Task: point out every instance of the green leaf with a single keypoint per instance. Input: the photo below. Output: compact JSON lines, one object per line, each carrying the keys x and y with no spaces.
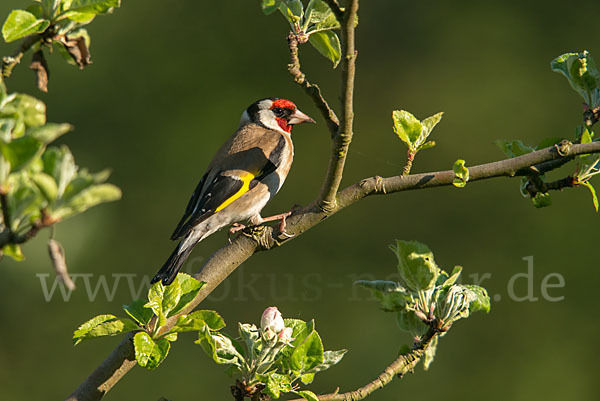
{"x":589,"y":186}
{"x":582,"y":74}
{"x":330,"y":358}
{"x":391,"y":295}
{"x":88,"y":198}
{"x":430,"y":353}
{"x":14,"y":251}
{"x":293,"y":10}
{"x":155,"y":300}
{"x":92,"y":6}
{"x":172,"y":294}
{"x":21,"y":151}
{"x":103,"y":325}
{"x":407,"y":127}
{"x":541,"y":200}
{"x":218,"y":346}
{"x":198,"y":319}
{"x":30,"y":110}
{"x":409,"y":322}
{"x":189,"y":289}
{"x":482,"y":300}
{"x":149,"y":353}
{"x":22,"y":23}
{"x":416,"y":265}
{"x":461,"y":174}
{"x":513,"y":148}
{"x":138,"y":312}
{"x":46,"y":185}
{"x":269,"y":6}
{"x":453,"y":277}
{"x":277,"y":384}
{"x":547,"y":142}
{"x":307,"y":355}
{"x":49,"y":132}
{"x":429,"y":124}
{"x":328,"y":44}
{"x":307,"y":395}
{"x":319,"y":17}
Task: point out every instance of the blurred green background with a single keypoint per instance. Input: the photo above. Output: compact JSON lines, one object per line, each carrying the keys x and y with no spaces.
{"x":168,"y":84}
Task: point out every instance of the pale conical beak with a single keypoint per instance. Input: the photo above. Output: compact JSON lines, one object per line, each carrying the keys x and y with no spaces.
{"x":299,"y":117}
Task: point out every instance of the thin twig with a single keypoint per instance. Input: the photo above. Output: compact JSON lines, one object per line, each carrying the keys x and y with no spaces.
{"x":403,"y":364}
{"x":223,"y":262}
{"x":341,"y":143}
{"x":312,"y":90}
{"x":9,"y":62}
{"x":410,"y":157}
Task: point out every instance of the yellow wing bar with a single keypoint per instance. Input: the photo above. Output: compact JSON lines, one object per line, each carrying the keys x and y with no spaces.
{"x":246,"y":179}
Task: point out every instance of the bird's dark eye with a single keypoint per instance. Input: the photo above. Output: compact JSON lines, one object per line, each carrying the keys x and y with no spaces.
{"x":278,"y":111}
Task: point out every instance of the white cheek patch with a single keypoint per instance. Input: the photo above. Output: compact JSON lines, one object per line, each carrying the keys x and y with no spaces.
{"x":267,"y":119}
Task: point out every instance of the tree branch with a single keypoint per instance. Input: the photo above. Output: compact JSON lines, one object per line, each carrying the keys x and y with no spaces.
{"x":342,"y":140}
{"x":313,"y":91}
{"x":227,"y":259}
{"x":404,"y":364}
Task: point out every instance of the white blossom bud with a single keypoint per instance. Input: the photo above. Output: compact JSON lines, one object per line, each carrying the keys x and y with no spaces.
{"x":272,"y":320}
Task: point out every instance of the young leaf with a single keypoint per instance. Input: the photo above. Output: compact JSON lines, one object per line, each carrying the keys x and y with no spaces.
{"x":14,"y":251}
{"x":103,"y":325}
{"x":31,"y":110}
{"x":46,"y":185}
{"x":409,"y":322}
{"x":407,"y":127}
{"x":149,"y":353}
{"x":20,"y":152}
{"x":22,"y":23}
{"x":330,"y":358}
{"x":430,"y":353}
{"x":138,"y":312}
{"x":481,"y":301}
{"x":172,"y":294}
{"x":92,"y":6}
{"x":513,"y":148}
{"x":416,"y":265}
{"x":189,"y":289}
{"x":461,"y":174}
{"x":391,"y":295}
{"x":589,"y":186}
{"x":307,"y":355}
{"x":269,"y":6}
{"x":582,"y":74}
{"x":307,"y":395}
{"x":88,"y":198}
{"x":198,"y":319}
{"x":218,"y":346}
{"x":49,"y":132}
{"x":541,"y":200}
{"x":277,"y":384}
{"x":328,"y":44}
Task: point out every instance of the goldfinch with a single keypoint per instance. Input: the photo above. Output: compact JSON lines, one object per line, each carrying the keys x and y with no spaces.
{"x":247,"y":171}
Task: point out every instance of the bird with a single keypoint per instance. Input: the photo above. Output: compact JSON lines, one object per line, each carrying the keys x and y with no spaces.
{"x":245,"y":174}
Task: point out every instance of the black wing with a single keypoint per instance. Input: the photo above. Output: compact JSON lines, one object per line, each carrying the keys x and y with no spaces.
{"x":199,"y":208}
{"x":224,"y":189}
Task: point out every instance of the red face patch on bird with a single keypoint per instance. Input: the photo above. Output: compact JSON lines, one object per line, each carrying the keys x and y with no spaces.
{"x":282,"y":109}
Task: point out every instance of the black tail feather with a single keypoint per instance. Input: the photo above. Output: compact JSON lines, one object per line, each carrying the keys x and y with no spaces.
{"x":169,"y":270}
